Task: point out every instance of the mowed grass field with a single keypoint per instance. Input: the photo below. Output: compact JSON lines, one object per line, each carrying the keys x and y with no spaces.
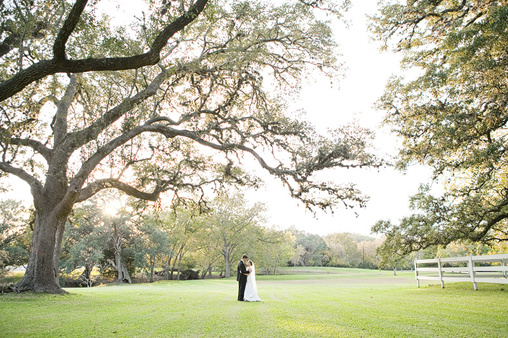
{"x":319,"y":302}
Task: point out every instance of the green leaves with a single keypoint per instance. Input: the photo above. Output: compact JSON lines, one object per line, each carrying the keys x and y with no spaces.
{"x":451,"y":115}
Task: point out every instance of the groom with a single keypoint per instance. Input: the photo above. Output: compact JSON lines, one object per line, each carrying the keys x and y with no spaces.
{"x":241,"y":276}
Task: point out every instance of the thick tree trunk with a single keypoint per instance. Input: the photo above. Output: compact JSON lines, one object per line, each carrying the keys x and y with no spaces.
{"x":173,"y":268}
{"x":86,"y":276}
{"x":58,"y":243}
{"x":179,"y":266}
{"x":166,"y":276}
{"x":207,"y":270}
{"x":276,"y":265}
{"x":42,"y":270}
{"x":123,"y":274}
{"x":170,"y":268}
{"x":228,"y":264}
{"x":152,"y":269}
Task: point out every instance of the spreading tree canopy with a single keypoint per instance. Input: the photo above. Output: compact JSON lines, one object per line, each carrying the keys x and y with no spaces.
{"x":176,"y":102}
{"x":451,"y":112}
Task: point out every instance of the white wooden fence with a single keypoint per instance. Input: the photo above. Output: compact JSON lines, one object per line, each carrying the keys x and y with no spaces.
{"x":475,"y":269}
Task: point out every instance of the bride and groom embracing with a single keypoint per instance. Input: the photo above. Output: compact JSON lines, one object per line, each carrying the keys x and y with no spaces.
{"x":246,"y":277}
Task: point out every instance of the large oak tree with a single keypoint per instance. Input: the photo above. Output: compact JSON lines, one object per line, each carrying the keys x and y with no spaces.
{"x":178,"y":101}
{"x":452,"y":115}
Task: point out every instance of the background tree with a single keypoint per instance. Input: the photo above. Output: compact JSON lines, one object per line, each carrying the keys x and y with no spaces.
{"x":3,"y":264}
{"x":74,"y":123}
{"x":463,"y":249}
{"x":452,"y":116}
{"x":86,"y":238}
{"x":14,"y":233}
{"x":151,"y":245}
{"x":352,"y":250}
{"x":299,"y":252}
{"x":233,"y":225}
{"x":183,"y":226}
{"x":272,"y":249}
{"x":120,"y":245}
{"x":370,"y":258}
{"x":344,"y":249}
{"x":208,"y":253}
{"x":314,"y":245}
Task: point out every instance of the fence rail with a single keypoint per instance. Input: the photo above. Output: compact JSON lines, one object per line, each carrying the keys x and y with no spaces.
{"x":475,"y":269}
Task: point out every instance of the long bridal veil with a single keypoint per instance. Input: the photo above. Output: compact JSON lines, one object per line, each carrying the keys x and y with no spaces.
{"x":253,"y":277}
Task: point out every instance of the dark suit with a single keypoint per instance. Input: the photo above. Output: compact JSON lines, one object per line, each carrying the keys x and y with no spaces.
{"x":241,"y":278}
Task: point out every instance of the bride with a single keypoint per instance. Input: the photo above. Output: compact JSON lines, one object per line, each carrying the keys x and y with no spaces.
{"x":251,"y":289}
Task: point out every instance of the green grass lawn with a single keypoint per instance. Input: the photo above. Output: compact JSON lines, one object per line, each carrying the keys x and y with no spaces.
{"x":308,"y":303}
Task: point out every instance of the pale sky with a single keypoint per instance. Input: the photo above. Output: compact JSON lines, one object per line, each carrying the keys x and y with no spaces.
{"x":368,"y":71}
{"x":389,"y":190}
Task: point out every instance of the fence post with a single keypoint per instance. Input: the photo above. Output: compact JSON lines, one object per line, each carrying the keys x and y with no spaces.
{"x":503,"y":264}
{"x":472,"y":272}
{"x":439,"y":266}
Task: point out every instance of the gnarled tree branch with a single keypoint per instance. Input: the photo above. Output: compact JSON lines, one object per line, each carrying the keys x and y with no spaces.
{"x":93,"y":188}
{"x":60,"y":64}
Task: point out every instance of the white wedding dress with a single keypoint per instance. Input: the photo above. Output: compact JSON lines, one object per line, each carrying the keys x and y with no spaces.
{"x":251,"y":289}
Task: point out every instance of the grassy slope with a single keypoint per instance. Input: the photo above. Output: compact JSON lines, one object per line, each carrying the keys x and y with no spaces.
{"x":315,"y":302}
